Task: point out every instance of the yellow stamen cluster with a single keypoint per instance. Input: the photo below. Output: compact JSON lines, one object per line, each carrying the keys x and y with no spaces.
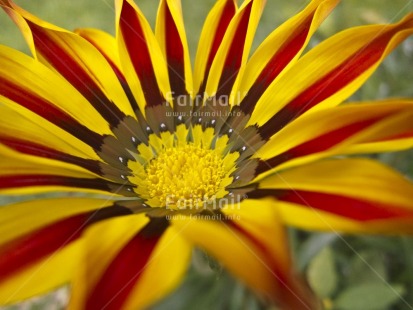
{"x":181,"y":177}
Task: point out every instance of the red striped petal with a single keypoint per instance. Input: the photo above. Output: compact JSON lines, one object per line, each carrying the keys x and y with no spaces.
{"x":234,"y":57}
{"x":138,"y":51}
{"x":224,"y":20}
{"x":336,"y":79}
{"x":29,"y":249}
{"x":122,"y":274}
{"x":28,"y":180}
{"x":33,"y":148}
{"x":318,"y":144}
{"x":174,"y":54}
{"x":90,"y":34}
{"x":252,"y":244}
{"x":357,"y":209}
{"x":292,"y":293}
{"x":50,"y":112}
{"x":69,"y":67}
{"x":276,"y":64}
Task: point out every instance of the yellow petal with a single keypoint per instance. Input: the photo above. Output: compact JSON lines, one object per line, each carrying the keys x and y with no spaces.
{"x":104,"y":42}
{"x":170,"y":32}
{"x":234,"y":49}
{"x":359,"y":189}
{"x":140,"y":55}
{"x":169,"y":262}
{"x":32,"y":127}
{"x":107,"y":45}
{"x":77,"y":60}
{"x":105,"y":244}
{"x":15,"y":163}
{"x":211,"y":37}
{"x":329,"y":73}
{"x":253,"y":237}
{"x":102,"y":242}
{"x":353,"y":128}
{"x":44,"y":252}
{"x":306,"y":218}
{"x":280,"y":50}
{"x":45,"y":276}
{"x":27,"y":174}
{"x":31,"y":215}
{"x":23,"y":78}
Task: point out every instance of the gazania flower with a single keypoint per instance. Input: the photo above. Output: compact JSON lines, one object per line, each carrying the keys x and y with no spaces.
{"x":220,"y":157}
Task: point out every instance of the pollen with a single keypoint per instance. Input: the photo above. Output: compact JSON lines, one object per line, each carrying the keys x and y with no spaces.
{"x":184,"y":177}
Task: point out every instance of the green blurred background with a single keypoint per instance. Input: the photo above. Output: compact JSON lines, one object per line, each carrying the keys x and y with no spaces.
{"x":347,"y":272}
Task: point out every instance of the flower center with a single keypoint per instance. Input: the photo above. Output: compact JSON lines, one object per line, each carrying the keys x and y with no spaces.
{"x":184,"y":177}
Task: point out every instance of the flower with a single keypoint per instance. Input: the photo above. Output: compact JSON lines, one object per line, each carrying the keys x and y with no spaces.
{"x":222,"y":158}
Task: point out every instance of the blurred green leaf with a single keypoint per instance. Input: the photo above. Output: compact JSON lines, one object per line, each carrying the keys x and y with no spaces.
{"x":369,"y":296}
{"x":367,"y":266}
{"x":312,"y":246}
{"x":322,"y":274}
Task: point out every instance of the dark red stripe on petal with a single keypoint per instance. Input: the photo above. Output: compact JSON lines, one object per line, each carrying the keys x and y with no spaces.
{"x":75,"y":74}
{"x":254,"y":240}
{"x":276,"y":64}
{"x":119,"y":75}
{"x":279,"y":275}
{"x":290,"y":292}
{"x":225,"y":18}
{"x":32,"y":148}
{"x":355,"y":208}
{"x":26,"y":180}
{"x":28,"y":249}
{"x":109,"y":170}
{"x":330,"y":139}
{"x":174,"y":55}
{"x":342,"y":75}
{"x":49,"y":111}
{"x":405,"y":135}
{"x":318,"y":144}
{"x":124,"y":271}
{"x":138,"y":50}
{"x":115,"y":68}
{"x":234,"y":56}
